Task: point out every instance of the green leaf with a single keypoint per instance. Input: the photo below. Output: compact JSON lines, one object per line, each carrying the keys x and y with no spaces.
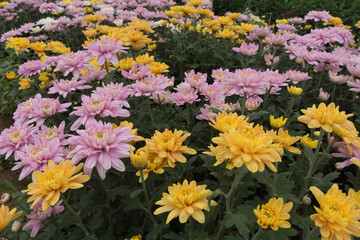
{"x":136,"y":192}
{"x":9,"y":187}
{"x":241,"y":219}
{"x":156,"y":231}
{"x":308,"y":153}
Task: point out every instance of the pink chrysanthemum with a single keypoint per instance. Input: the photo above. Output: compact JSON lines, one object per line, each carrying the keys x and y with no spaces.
{"x":247,"y":49}
{"x":261,"y":32}
{"x":355,"y":85}
{"x":73,"y":62}
{"x":116,"y":91}
{"x":297,"y":76}
{"x":101,"y":105}
{"x":48,"y":134}
{"x":212,"y":91}
{"x":185,"y":94}
{"x":37,"y":216}
{"x":23,"y":110}
{"x":137,"y":72}
{"x":36,"y":156}
{"x":64,"y":87}
{"x":30,"y":68}
{"x":102,"y":146}
{"x":93,"y":74}
{"x":195,"y":80}
{"x":275,"y":80}
{"x":219,"y":74}
{"x":105,"y":48}
{"x":150,"y":85}
{"x":343,"y":152}
{"x":14,"y":139}
{"x":318,"y":16}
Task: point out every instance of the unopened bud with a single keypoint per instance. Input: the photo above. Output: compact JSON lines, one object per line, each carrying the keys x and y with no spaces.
{"x":139,"y":159}
{"x":299,"y":60}
{"x":306,"y":200}
{"x":16,"y":226}
{"x":323,"y":96}
{"x":251,"y":105}
{"x":5,"y":198}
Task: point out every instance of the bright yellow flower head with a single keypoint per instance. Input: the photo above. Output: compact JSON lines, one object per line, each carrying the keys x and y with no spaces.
{"x":138,"y":237}
{"x":11,"y":75}
{"x":144,"y":59}
{"x":357,"y":24}
{"x":90,"y":33}
{"x":355,"y":196}
{"x":24,"y":83}
{"x":285,"y":140}
{"x":294,"y":91}
{"x":125,"y":64}
{"x":168,"y":146}
{"x":152,"y":166}
{"x":141,"y":25}
{"x":54,"y":180}
{"x":326,"y":117}
{"x":158,"y":68}
{"x":38,"y":47}
{"x":19,"y":44}
{"x":194,"y":3}
{"x":277,"y":122}
{"x":226,"y":34}
{"x":92,"y":18}
{"x":226,"y":121}
{"x":337,"y":215}
{"x":7,"y":216}
{"x":307,"y":141}
{"x":251,"y":146}
{"x":3,"y":4}
{"x":139,"y":159}
{"x":274,"y":214}
{"x":185,"y":200}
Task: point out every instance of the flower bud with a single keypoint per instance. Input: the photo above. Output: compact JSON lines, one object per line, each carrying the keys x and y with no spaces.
{"x":251,"y":105}
{"x":294,"y":91}
{"x":16,"y":226}
{"x":277,"y":122}
{"x":323,"y":96}
{"x":306,"y":200}
{"x":5,"y":197}
{"x":299,"y":60}
{"x":140,"y":159}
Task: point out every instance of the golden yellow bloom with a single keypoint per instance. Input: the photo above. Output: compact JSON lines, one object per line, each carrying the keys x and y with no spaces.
{"x":307,"y":141}
{"x":226,"y":34}
{"x":19,"y":44}
{"x":326,"y":117}
{"x":90,"y":33}
{"x":245,"y":28}
{"x":168,"y":146}
{"x":355,"y":196}
{"x":277,"y":122}
{"x":140,"y":159}
{"x":281,"y":21}
{"x":205,"y":12}
{"x":11,"y":75}
{"x":194,"y":3}
{"x":185,"y":200}
{"x":152,"y":166}
{"x":337,"y":215}
{"x":125,"y":64}
{"x":234,"y":15}
{"x":144,"y":59}
{"x":285,"y":140}
{"x":158,"y":68}
{"x":174,"y":20}
{"x":151,"y":47}
{"x":251,"y":146}
{"x":57,"y":47}
{"x":138,"y":237}
{"x":133,"y":130}
{"x":53,"y":181}
{"x":3,"y":4}
{"x":336,"y":21}
{"x":307,"y":27}
{"x":24,"y":83}
{"x":92,"y":18}
{"x":274,"y":214}
{"x":39,"y":48}
{"x":7,"y":216}
{"x":294,"y":91}
{"x":357,"y":24}
{"x":226,"y":121}
{"x":141,"y":25}
{"x":88,"y":9}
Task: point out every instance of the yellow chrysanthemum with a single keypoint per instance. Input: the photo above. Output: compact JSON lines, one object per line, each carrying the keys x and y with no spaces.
{"x":250,"y":146}
{"x":168,"y":146}
{"x":337,"y":215}
{"x":39,"y":48}
{"x":11,"y":75}
{"x":125,"y":64}
{"x":54,"y":180}
{"x":145,"y":59}
{"x":285,"y":140}
{"x":152,"y":166}
{"x":133,"y":131}
{"x":185,"y":200}
{"x":141,"y":25}
{"x":139,"y":159}
{"x":24,"y":83}
{"x":7,"y":216}
{"x":158,"y":68}
{"x":294,"y":91}
{"x":138,"y":237}
{"x":307,"y":141}
{"x":277,"y":122}
{"x":326,"y":117}
{"x":19,"y":44}
{"x":355,"y":196}
{"x":226,"y":121}
{"x":91,"y":18}
{"x":274,"y":214}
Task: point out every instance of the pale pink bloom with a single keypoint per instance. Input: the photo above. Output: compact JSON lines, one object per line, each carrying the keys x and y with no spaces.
{"x":296,"y":20}
{"x":354,"y":69}
{"x":270,"y":60}
{"x":275,"y":80}
{"x":101,"y":105}
{"x":253,"y":103}
{"x":93,"y":74}
{"x":36,"y":156}
{"x":117,"y":92}
{"x":137,"y":72}
{"x":210,"y":91}
{"x":277,"y":39}
{"x":195,"y":80}
{"x":30,"y":68}
{"x":162,"y":98}
{"x":105,"y":48}
{"x":355,"y":85}
{"x":9,"y":34}
{"x":261,"y":32}
{"x":14,"y":139}
{"x":339,"y":79}
{"x":323,"y":96}
{"x":102,"y":146}
{"x":286,"y":27}
{"x":64,"y":87}
{"x":74,"y":63}
{"x":48,"y":134}
{"x":247,"y":49}
{"x":344,"y":35}
{"x":150,"y":85}
{"x":219,"y":103}
{"x":297,"y":76}
{"x":44,"y":108}
{"x":51,"y":61}
{"x":219,"y":74}
{"x":295,"y":50}
{"x":311,"y":57}
{"x":318,"y":16}
{"x":325,"y":35}
{"x":37,"y":216}
{"x":23,"y":110}
{"x":307,"y":40}
{"x":343,"y":152}
{"x":206,"y":114}
{"x":185,"y":94}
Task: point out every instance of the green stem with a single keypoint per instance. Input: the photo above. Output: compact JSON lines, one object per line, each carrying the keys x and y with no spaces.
{"x":76,"y":215}
{"x":257,"y":233}
{"x":191,"y":228}
{"x":188,"y":119}
{"x":147,"y":197}
{"x":243,"y":104}
{"x":150,"y":112}
{"x":53,"y":220}
{"x":290,"y":107}
{"x":311,"y":234}
{"x":107,"y":68}
{"x":275,"y":180}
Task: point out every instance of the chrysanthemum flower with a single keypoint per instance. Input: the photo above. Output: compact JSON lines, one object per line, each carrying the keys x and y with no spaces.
{"x":337,"y":215}
{"x":277,"y":122}
{"x":168,"y":146}
{"x":185,"y":200}
{"x":274,"y":214}
{"x":73,"y":62}
{"x":250,"y":146}
{"x":326,"y":117}
{"x":307,"y":141}
{"x":152,"y":166}
{"x":54,"y":180}
{"x":294,"y":91}
{"x":102,"y":146}
{"x":226,"y":121}
{"x":64,"y":87}
{"x":30,"y":68}
{"x":7,"y":216}
{"x":285,"y":140}
{"x":133,"y":130}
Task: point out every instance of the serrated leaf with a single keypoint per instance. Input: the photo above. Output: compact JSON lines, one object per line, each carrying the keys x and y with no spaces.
{"x":136,"y":192}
